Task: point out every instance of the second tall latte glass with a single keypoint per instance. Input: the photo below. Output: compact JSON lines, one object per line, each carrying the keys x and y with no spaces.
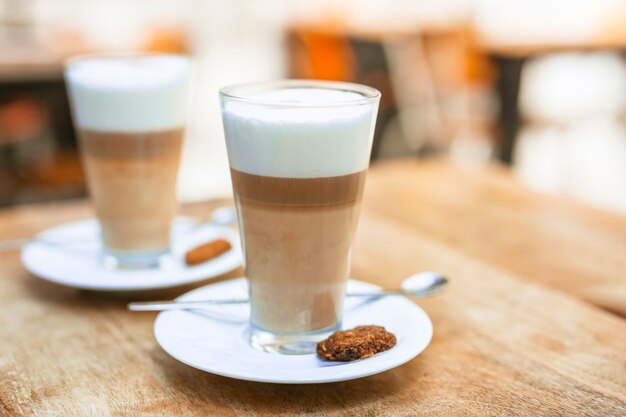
{"x":298,"y":153}
{"x":130,"y":114}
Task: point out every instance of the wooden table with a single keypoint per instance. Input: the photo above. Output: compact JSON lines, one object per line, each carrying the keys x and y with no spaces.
{"x":530,"y":326}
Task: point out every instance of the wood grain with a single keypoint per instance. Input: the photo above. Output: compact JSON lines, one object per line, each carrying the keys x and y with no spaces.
{"x":509,"y":338}
{"x":488,"y":216}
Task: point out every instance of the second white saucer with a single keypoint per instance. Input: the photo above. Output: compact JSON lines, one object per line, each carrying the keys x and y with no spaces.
{"x":70,"y":254}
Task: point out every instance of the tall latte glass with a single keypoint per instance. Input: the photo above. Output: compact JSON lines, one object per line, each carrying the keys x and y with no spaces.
{"x":130,"y":112}
{"x":298,"y":153}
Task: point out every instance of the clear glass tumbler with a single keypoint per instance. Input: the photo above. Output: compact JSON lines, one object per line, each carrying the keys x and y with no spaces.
{"x":299,"y":153}
{"x":130,"y":113}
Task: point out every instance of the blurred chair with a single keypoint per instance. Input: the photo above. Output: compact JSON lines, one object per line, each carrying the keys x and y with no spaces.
{"x":327,"y":54}
{"x":427,"y":78}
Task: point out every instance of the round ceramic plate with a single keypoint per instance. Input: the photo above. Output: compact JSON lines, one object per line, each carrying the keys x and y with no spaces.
{"x":216,"y":340}
{"x":70,"y":255}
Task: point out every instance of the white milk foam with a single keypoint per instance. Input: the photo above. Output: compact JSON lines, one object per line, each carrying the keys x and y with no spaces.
{"x":134,"y":94}
{"x":299,"y":142}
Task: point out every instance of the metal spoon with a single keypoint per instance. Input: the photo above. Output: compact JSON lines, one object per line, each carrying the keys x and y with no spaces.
{"x":223,"y":216}
{"x":423,"y":284}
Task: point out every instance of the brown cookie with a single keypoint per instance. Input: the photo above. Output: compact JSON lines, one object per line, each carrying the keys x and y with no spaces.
{"x":206,"y":252}
{"x":358,"y":343}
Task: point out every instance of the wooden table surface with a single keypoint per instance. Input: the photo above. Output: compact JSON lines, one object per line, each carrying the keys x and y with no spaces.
{"x":532,"y":324}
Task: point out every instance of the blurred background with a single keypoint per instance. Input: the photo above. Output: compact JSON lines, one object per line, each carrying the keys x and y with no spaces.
{"x":536,"y":85}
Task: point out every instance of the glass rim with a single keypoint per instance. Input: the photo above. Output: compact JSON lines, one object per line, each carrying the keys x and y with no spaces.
{"x":76,"y":59}
{"x":235,"y":93}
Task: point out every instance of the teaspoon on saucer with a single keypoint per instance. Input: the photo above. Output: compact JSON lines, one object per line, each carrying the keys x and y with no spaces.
{"x":423,"y":284}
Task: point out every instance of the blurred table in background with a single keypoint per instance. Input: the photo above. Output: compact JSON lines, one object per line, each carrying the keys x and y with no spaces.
{"x":510,"y":58}
{"x":533,"y":323}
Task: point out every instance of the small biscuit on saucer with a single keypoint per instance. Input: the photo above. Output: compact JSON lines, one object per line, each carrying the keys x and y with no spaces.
{"x":358,"y":343}
{"x":206,"y":252}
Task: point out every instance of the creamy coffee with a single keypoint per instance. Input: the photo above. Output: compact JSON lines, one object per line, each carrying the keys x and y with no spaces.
{"x":130,"y":112}
{"x":132,"y":179}
{"x":298,"y":234}
{"x":298,"y":174}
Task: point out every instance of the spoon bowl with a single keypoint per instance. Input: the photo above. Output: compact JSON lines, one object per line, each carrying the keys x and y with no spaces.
{"x":424,"y":282}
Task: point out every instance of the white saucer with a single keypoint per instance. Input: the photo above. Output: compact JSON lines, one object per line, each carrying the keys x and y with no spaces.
{"x":215,"y":340}
{"x":70,"y":255}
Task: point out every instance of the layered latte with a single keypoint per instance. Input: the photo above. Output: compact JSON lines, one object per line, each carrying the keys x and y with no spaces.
{"x":130,"y":113}
{"x":298,"y":175}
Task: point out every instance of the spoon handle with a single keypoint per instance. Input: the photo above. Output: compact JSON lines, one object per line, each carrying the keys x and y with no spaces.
{"x":384,"y":293}
{"x":181,"y":305}
{"x":200,"y":304}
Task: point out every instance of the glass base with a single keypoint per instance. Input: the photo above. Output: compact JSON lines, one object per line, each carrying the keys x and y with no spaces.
{"x":290,"y":343}
{"x":142,"y":260}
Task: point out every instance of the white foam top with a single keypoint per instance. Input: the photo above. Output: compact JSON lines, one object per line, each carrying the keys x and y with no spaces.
{"x":129,"y":94}
{"x":299,"y":141}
